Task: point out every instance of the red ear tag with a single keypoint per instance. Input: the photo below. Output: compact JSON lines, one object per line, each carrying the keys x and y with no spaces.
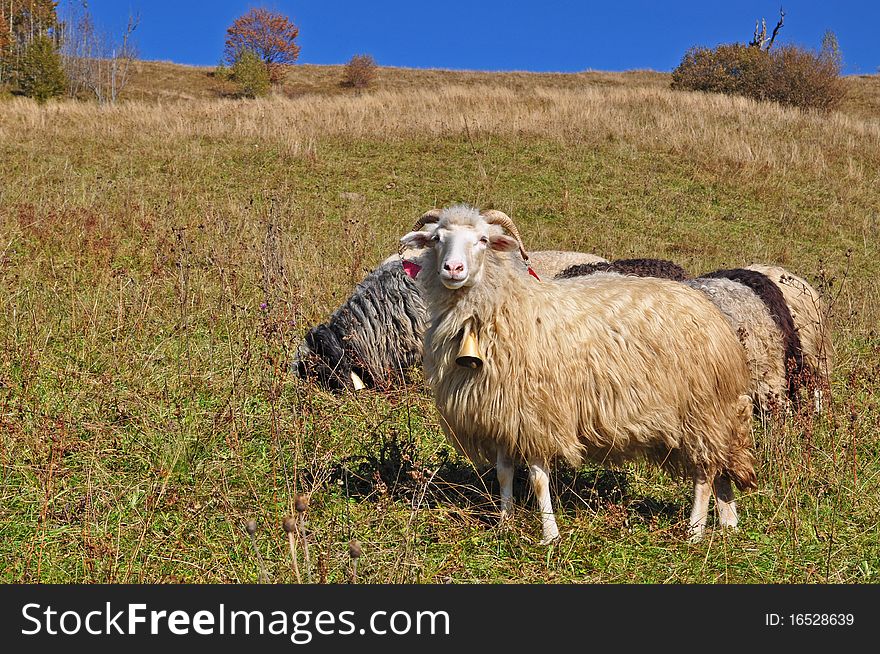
{"x":411,"y":268}
{"x":534,"y":274}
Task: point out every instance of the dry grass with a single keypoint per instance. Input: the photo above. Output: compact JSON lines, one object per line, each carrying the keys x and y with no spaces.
{"x":163,"y":81}
{"x":154,"y":81}
{"x":767,"y":147}
{"x":160,"y":260}
{"x":863,"y":96}
{"x":766,"y":138}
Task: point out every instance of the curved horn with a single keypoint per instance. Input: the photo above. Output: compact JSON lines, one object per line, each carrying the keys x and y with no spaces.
{"x":495,"y":217}
{"x":431,"y":216}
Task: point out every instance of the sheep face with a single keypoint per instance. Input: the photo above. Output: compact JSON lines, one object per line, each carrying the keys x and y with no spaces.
{"x":456,"y":252}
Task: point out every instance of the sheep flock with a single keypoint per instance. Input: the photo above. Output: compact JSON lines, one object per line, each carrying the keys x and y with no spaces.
{"x":573,"y":358}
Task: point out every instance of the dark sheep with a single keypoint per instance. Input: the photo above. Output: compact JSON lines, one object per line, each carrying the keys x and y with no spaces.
{"x":636,"y":267}
{"x":386,"y":299}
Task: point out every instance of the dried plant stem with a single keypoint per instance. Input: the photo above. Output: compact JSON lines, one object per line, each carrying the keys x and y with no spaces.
{"x":289,"y":525}
{"x":354,"y":553}
{"x":264,"y":576}
{"x":292,"y":542}
{"x":302,"y":531}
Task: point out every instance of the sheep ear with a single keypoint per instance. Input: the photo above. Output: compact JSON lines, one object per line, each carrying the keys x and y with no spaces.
{"x":503,"y":243}
{"x":416,"y":240}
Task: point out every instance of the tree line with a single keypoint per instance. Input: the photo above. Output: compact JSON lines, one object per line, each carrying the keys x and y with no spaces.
{"x":45,"y":53}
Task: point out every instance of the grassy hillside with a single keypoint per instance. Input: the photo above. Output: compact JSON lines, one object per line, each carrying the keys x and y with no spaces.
{"x":160,"y":261}
{"x":163,"y":82}
{"x":156,"y":80}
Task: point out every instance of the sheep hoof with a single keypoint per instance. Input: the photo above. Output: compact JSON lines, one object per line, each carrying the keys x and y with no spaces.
{"x":549,"y":540}
{"x":696,"y":536}
{"x":504,"y":518}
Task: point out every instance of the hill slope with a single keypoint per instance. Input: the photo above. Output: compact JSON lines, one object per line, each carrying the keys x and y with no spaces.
{"x":156,"y":80}
{"x":161,"y":259}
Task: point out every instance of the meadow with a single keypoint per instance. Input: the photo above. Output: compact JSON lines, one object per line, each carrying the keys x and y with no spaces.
{"x":161,"y":260}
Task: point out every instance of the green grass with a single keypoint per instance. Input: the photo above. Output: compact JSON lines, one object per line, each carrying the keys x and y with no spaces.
{"x":146,"y":413}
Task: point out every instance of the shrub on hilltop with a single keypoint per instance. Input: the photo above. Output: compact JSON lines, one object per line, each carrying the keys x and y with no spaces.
{"x":269,"y":35}
{"x":789,"y":75}
{"x":360,"y":72}
{"x":251,"y":75}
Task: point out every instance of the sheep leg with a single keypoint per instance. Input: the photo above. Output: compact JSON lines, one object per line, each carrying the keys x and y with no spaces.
{"x":724,"y":500}
{"x":700,"y":510}
{"x":504,"y":470}
{"x":540,"y":479}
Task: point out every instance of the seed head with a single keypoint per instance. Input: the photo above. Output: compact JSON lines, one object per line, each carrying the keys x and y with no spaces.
{"x":289,"y":524}
{"x":251,"y":527}
{"x":301,"y":503}
{"x":354,"y":549}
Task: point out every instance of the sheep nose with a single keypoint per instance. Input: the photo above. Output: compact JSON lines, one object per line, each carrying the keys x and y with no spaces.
{"x":454,"y":266}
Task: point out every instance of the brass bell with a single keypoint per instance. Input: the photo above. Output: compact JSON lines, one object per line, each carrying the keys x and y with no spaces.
{"x":469,"y":352}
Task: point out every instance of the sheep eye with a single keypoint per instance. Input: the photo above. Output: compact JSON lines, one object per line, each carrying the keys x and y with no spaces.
{"x":435,"y":237}
{"x":484,"y":240}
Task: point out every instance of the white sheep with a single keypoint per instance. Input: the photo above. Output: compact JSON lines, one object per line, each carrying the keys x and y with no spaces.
{"x":603,"y":367}
{"x":547,"y":263}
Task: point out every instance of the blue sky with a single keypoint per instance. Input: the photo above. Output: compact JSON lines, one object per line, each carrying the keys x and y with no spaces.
{"x":547,"y":35}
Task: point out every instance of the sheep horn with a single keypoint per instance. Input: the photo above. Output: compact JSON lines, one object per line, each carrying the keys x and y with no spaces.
{"x":431,"y":216}
{"x":356,"y":381}
{"x":495,"y":217}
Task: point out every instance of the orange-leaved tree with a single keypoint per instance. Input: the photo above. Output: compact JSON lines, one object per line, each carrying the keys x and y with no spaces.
{"x":22,"y":21}
{"x":5,"y":39}
{"x":27,"y":19}
{"x":268,"y":34}
{"x":5,"y":42}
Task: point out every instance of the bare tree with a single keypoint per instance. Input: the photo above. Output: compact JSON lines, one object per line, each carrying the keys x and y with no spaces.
{"x":78,"y":45}
{"x":760,"y":40}
{"x":96,"y":62}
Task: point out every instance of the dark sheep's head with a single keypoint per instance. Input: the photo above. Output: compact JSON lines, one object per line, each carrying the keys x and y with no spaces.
{"x":322,"y":357}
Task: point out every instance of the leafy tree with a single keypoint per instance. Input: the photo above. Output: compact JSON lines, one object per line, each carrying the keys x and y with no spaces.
{"x":5,"y":39}
{"x":269,"y":35}
{"x":5,"y":42}
{"x":251,"y":74}
{"x":28,"y":19}
{"x":222,"y":71}
{"x":40,"y":75}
